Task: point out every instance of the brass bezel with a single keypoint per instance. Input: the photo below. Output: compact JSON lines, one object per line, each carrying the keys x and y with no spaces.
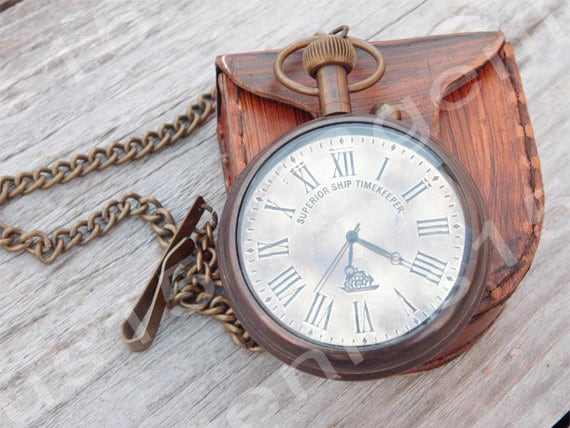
{"x":352,"y":363}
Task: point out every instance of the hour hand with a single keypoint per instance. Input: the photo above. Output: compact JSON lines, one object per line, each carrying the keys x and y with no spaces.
{"x":394,"y":257}
{"x":374,"y":247}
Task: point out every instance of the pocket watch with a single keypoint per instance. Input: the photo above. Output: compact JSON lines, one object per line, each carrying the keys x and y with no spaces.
{"x":347,"y":246}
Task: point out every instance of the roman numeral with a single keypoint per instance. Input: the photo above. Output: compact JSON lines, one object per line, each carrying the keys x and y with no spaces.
{"x":276,"y":248}
{"x":433,"y":226}
{"x":270,"y":205}
{"x":319,"y":313}
{"x":362,"y":319}
{"x":304,"y":175}
{"x":343,"y":163}
{"x":415,"y":191}
{"x":429,"y":267}
{"x":409,"y":309}
{"x":287,"y":285}
{"x":382,"y":168}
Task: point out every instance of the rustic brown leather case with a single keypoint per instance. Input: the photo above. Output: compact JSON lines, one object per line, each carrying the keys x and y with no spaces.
{"x":463,"y":89}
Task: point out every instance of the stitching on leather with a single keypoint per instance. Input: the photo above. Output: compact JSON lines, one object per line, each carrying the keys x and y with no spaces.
{"x":242,"y":144}
{"x":534,"y":237}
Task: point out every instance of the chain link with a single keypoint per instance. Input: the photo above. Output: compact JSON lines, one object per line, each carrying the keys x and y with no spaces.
{"x":198,"y":286}
{"x":188,"y":292}
{"x":47,"y":248}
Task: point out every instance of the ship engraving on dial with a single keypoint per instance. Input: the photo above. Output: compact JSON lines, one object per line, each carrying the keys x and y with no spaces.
{"x":352,"y":237}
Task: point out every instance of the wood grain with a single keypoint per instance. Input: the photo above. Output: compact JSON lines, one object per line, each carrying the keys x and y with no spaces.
{"x":78,"y":74}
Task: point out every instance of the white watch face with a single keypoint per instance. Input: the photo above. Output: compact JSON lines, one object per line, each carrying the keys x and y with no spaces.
{"x":353,"y":235}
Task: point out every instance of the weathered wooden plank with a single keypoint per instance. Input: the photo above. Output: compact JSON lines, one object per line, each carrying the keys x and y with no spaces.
{"x":75,"y":74}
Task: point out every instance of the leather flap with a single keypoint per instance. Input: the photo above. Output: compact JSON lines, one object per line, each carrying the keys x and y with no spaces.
{"x":439,"y":64}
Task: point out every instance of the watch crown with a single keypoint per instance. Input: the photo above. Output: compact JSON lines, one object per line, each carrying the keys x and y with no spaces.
{"x":329,"y":49}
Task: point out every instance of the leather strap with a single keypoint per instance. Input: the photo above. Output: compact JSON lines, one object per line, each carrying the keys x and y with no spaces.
{"x":141,"y":327}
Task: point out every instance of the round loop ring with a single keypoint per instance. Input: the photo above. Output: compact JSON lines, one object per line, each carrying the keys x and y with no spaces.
{"x":312,"y":91}
{"x":341,"y":30}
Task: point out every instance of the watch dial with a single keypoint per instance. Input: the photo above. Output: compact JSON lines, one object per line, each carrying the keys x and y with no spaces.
{"x":353,"y":234}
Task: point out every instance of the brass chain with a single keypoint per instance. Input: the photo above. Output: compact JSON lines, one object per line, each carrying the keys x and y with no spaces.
{"x":198,"y":286}
{"x":48,"y":247}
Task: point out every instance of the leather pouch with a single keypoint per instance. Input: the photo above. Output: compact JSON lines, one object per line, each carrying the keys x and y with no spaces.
{"x":463,"y":89}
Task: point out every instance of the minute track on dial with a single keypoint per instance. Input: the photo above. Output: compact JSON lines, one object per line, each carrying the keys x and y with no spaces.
{"x":340,"y":239}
